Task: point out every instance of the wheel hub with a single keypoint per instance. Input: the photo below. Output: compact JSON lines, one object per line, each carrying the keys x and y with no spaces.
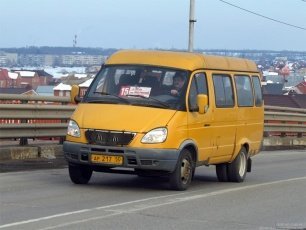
{"x":185,"y":171}
{"x":243,"y":163}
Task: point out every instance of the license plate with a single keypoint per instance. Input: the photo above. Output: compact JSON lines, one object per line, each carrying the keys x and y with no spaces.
{"x":106,"y":159}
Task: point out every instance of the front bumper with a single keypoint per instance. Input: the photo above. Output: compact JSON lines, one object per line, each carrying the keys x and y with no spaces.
{"x":137,"y":158}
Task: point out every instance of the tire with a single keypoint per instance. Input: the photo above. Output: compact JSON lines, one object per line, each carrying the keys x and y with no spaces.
{"x":79,"y":174}
{"x":238,"y":168}
{"x":221,"y":171}
{"x":182,"y":175}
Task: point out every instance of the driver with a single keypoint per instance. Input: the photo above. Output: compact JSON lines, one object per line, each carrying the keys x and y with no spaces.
{"x":178,"y":82}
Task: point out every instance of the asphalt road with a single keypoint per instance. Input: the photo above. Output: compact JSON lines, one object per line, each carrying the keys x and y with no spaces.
{"x":272,"y":197}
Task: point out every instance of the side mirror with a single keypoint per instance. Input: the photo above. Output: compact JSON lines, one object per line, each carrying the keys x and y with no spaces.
{"x":202,"y":101}
{"x":74,"y":94}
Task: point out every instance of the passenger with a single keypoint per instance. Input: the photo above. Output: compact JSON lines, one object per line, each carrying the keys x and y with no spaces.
{"x":178,"y":83}
{"x":244,"y":93}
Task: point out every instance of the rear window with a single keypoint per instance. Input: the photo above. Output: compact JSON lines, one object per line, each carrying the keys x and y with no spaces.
{"x":257,"y":91}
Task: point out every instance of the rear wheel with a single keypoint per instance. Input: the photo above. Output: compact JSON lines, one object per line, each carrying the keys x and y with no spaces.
{"x":238,"y":168}
{"x":79,"y":174}
{"x":221,"y":170}
{"x":182,"y":175}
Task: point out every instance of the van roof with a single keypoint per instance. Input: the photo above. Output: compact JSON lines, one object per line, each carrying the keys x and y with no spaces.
{"x":181,"y":60}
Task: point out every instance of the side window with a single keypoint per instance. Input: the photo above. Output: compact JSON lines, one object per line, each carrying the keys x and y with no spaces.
{"x":244,"y":90}
{"x":257,"y":91}
{"x":198,"y":86}
{"x":223,"y":90}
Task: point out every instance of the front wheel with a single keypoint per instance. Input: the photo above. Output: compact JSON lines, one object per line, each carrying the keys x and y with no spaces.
{"x":79,"y":174}
{"x":182,"y":175}
{"x":238,"y":168}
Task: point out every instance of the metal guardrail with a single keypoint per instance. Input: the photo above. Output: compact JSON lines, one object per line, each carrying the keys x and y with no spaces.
{"x":33,"y":130}
{"x":11,"y":97}
{"x":35,"y":111}
{"x":285,"y":121}
{"x":35,"y":120}
{"x":34,"y":117}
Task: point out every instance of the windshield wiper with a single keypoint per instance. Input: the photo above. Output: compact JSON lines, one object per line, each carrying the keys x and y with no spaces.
{"x":114,"y":95}
{"x":163,"y":104}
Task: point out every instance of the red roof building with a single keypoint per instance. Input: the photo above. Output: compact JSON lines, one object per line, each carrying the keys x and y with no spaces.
{"x":301,"y":88}
{"x":4,"y":78}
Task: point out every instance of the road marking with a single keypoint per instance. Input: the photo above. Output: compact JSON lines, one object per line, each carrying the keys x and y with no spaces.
{"x":136,"y":205}
{"x":84,"y":210}
{"x":44,"y":218}
{"x":80,"y":221}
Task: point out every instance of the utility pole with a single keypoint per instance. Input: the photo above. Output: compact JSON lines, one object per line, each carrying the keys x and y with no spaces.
{"x":191,"y":26}
{"x":75,"y":41}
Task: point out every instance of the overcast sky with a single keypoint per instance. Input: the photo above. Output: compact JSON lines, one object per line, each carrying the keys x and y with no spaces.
{"x":145,"y":24}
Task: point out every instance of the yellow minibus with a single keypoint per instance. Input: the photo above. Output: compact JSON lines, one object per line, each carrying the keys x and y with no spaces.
{"x":164,"y":113}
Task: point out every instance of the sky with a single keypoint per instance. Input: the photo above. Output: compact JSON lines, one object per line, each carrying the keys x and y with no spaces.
{"x":150,"y":24}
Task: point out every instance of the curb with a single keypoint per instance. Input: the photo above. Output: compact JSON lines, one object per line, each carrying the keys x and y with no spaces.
{"x":30,"y":152}
{"x":283,"y":143}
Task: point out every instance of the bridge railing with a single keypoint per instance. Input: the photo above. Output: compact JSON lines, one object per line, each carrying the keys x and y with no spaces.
{"x":284,"y":127}
{"x":282,"y":121}
{"x":24,"y":116}
{"x":47,"y":117}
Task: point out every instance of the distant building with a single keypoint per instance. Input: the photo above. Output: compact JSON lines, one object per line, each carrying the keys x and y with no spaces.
{"x":62,"y":90}
{"x":36,"y":59}
{"x":32,"y":78}
{"x":8,"y":59}
{"x":59,"y":60}
{"x":25,"y":91}
{"x":291,"y":101}
{"x":299,"y":88}
{"x":82,"y":60}
{"x":45,"y":90}
{"x":27,"y":78}
{"x":4,"y":78}
{"x":273,"y":88}
{"x":13,"y":76}
{"x":84,"y":86}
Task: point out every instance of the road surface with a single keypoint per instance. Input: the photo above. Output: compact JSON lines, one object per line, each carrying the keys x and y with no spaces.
{"x":272,"y":197}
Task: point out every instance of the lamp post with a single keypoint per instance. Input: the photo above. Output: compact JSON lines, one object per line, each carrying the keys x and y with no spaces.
{"x":191,"y":26}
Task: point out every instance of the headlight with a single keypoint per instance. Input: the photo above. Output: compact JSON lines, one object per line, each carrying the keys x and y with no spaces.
{"x":158,"y":135}
{"x":73,"y":129}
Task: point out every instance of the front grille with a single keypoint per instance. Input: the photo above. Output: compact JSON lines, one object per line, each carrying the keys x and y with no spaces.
{"x":109,"y":138}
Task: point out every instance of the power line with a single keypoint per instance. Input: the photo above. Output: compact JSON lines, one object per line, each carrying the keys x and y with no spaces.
{"x":260,"y":15}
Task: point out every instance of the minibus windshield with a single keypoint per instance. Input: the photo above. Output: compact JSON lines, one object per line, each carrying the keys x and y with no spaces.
{"x":139,"y":85}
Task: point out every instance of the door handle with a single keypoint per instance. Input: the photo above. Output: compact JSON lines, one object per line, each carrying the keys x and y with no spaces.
{"x":206,"y":125}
